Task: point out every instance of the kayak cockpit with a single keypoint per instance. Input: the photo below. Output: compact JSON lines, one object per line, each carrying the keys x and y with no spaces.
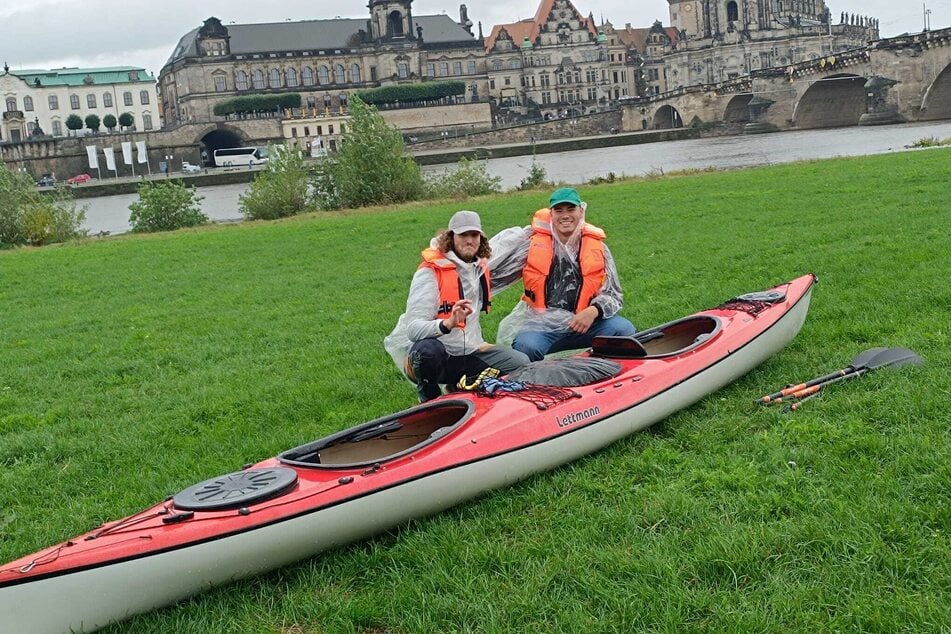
{"x":670,"y":339}
{"x":382,"y":439}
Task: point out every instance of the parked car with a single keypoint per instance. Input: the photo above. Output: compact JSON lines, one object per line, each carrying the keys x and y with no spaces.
{"x":78,"y":179}
{"x":46,"y":180}
{"x":188,"y":168}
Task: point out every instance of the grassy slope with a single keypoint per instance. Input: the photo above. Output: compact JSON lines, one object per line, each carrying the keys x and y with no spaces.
{"x":133,"y":367}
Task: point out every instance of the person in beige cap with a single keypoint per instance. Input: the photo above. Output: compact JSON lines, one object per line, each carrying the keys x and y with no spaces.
{"x":438,"y":340}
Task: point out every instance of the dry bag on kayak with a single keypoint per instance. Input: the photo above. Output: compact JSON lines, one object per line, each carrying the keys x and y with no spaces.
{"x":567,"y":372}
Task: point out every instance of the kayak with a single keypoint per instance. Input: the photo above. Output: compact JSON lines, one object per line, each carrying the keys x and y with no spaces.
{"x":381,"y":473}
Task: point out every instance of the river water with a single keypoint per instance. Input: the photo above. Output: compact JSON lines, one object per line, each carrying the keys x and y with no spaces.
{"x":111,"y":213}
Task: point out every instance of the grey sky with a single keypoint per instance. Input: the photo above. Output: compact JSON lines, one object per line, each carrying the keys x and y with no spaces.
{"x":55,"y":33}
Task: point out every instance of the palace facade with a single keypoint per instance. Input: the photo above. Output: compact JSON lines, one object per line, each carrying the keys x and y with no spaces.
{"x":721,"y":40}
{"x":323,"y":60}
{"x":37,"y":103}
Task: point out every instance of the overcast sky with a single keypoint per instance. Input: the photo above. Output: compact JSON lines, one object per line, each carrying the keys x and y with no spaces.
{"x":55,"y":33}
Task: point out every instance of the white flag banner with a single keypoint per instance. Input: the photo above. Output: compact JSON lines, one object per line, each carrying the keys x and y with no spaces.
{"x":110,"y":158}
{"x":93,"y":158}
{"x":143,"y":155}
{"x":127,"y":152}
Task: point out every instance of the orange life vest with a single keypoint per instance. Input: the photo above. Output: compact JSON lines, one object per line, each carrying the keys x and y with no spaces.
{"x":449,"y":284}
{"x":541,"y":252}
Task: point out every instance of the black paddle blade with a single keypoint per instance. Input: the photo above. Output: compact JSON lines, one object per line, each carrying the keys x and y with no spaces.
{"x":863,"y":359}
{"x":895,"y":357}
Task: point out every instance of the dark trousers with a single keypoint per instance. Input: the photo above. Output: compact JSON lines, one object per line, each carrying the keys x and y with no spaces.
{"x":432,"y":365}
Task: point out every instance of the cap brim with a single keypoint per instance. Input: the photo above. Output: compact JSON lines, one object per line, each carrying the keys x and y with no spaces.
{"x":467,"y":228}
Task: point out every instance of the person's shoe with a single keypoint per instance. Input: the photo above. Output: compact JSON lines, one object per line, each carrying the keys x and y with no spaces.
{"x":427,"y":391}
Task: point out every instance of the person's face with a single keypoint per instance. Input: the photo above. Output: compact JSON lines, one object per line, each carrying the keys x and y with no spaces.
{"x":466,"y":245}
{"x":565,"y":218}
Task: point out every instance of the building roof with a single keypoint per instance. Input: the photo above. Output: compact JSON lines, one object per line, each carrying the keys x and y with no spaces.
{"x":531,"y":27}
{"x":84,"y":76}
{"x":637,"y":38}
{"x":311,"y":35}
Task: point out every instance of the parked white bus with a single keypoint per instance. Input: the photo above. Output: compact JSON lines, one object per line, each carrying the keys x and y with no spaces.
{"x":227,"y":157}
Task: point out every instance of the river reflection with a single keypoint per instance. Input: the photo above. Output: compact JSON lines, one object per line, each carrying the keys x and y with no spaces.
{"x":111,"y":213}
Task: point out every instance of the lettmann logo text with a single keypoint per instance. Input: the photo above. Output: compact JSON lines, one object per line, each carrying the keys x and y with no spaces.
{"x":577,"y":417}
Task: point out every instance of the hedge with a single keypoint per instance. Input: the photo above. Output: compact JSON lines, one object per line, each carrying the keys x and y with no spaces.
{"x":257,"y":103}
{"x":414,"y":93}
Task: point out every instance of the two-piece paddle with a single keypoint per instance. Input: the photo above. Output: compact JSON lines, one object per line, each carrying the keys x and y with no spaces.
{"x":859,"y":361}
{"x":886,"y":358}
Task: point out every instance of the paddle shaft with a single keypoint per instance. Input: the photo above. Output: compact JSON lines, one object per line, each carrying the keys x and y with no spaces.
{"x":812,"y":390}
{"x":777,"y":397}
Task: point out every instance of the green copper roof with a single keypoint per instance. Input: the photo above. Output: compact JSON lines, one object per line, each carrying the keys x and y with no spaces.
{"x":85,"y":76}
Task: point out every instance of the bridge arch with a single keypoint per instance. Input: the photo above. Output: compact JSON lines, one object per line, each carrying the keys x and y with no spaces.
{"x":937,"y":100}
{"x":833,"y":101}
{"x":738,"y":109}
{"x":218,"y":137}
{"x":667,"y":117}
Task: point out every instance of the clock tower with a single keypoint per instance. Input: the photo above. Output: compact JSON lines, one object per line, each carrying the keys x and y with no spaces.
{"x":687,"y":16}
{"x":391,"y":20}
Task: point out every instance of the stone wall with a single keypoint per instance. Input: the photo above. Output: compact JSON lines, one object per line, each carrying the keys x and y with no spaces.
{"x":569,"y":128}
{"x":472,"y":117}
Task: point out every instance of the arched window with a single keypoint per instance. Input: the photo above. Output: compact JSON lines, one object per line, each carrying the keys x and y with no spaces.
{"x":340,"y":77}
{"x":74,"y":101}
{"x":57,"y":127}
{"x":307,"y":75}
{"x":343,"y":99}
{"x":12,"y":103}
{"x":355,"y":74}
{"x":257,"y":79}
{"x":323,"y":75}
{"x":241,"y":80}
{"x":90,"y":101}
{"x":290,"y":76}
{"x":326,"y":101}
{"x":402,"y":70}
{"x":144,"y":97}
{"x":54,"y":102}
{"x":28,"y":104}
{"x":126,"y":98}
{"x":732,"y":12}
{"x":274,"y":78}
{"x":107,"y":100}
{"x":394,"y":24}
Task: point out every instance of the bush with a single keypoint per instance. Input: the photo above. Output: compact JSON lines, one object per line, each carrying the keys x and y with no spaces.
{"x":535,"y":178}
{"x":372,"y":166}
{"x":470,"y":178}
{"x":280,"y":190}
{"x":28,"y":216}
{"x":92,"y":122}
{"x":109,"y":121}
{"x":166,"y":206}
{"x":257,"y":103}
{"x":126,"y":120}
{"x":74,"y":122}
{"x":433,"y":91}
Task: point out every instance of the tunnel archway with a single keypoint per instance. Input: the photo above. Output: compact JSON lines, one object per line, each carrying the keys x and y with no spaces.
{"x":738,"y":110}
{"x":937,"y":101}
{"x":216,"y":140}
{"x":835,"y":101}
{"x":667,"y":117}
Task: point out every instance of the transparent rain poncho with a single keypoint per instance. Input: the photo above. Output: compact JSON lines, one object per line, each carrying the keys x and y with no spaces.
{"x":509,"y":254}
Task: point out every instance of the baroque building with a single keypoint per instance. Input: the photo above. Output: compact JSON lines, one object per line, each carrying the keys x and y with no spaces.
{"x":322,"y":60}
{"x":723,"y":39}
{"x":556,"y":63}
{"x":38,"y":102}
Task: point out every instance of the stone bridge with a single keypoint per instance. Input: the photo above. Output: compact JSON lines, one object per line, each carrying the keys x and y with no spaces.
{"x":905,"y":78}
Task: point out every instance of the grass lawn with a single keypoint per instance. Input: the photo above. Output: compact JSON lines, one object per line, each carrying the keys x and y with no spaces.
{"x":133,"y":367}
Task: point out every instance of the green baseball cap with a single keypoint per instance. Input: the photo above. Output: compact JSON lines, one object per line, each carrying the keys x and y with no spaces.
{"x":564,"y":195}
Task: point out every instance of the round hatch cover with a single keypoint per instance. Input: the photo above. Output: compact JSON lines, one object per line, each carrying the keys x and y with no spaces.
{"x":770,"y":297}
{"x":236,"y":489}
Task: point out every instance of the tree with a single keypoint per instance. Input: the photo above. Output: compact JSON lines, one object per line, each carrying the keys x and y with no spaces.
{"x":278,"y":191}
{"x":93,"y":122}
{"x":372,"y":166}
{"x":28,"y":216}
{"x":74,"y":122}
{"x":109,"y":121}
{"x":126,"y":120}
{"x":166,"y":206}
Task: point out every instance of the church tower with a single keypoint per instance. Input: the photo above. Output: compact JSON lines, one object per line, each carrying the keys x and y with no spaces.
{"x":687,"y":17}
{"x":391,"y":20}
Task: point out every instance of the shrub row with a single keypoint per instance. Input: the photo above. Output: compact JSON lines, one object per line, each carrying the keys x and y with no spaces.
{"x":416,"y":93}
{"x":257,"y":103}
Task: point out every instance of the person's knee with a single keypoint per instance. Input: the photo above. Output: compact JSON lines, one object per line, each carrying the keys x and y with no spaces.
{"x":618,"y":326}
{"x":531,"y":347}
{"x":427,"y":358}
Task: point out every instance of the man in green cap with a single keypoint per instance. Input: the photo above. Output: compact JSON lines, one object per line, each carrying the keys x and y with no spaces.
{"x":572,"y":290}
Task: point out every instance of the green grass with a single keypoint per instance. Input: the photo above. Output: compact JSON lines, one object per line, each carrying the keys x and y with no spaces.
{"x":133,"y":367}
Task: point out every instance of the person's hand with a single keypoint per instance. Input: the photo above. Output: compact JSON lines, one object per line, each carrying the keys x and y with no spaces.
{"x":460,"y":310}
{"x":582,"y":320}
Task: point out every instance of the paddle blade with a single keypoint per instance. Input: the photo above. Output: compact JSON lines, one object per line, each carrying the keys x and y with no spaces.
{"x":892,"y":357}
{"x":862,"y":360}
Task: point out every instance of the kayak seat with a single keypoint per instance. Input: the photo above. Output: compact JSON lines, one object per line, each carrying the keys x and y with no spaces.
{"x":670,"y":339}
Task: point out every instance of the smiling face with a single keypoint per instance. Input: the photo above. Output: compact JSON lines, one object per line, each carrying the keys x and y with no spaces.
{"x":466,"y":245}
{"x":565,"y":218}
